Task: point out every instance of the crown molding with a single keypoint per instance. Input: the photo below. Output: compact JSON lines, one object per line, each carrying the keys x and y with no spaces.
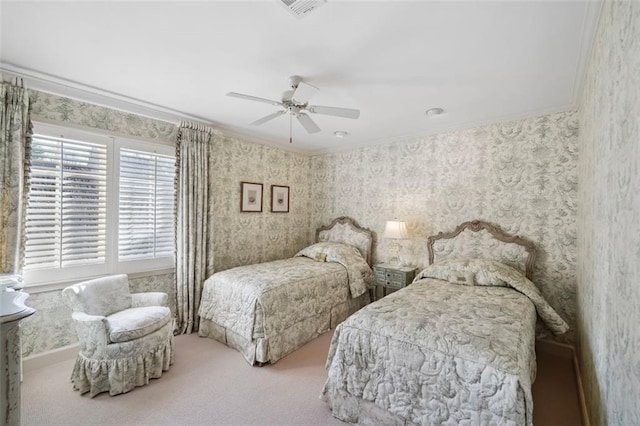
{"x":447,"y":129}
{"x":77,"y":91}
{"x":47,"y":83}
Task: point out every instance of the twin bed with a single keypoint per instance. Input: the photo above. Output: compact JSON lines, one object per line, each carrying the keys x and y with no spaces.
{"x":268,"y":310}
{"x":457,"y":346}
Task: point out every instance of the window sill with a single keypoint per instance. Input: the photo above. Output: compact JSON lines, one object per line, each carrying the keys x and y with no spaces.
{"x":59,"y":285}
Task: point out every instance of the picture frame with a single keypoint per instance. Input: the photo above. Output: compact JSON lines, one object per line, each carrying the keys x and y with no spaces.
{"x":251,"y":197}
{"x":279,"y":199}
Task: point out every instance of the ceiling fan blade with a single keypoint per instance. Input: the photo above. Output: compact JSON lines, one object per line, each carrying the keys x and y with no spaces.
{"x":309,"y":125}
{"x":254,"y":98}
{"x":303,"y":93}
{"x":267,"y":118}
{"x":337,"y":112}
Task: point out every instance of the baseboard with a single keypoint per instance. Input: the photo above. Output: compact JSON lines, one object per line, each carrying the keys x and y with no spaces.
{"x":583,"y":400}
{"x":567,"y":352}
{"x":50,"y":357}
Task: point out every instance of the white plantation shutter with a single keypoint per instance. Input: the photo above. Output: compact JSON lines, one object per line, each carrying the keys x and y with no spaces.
{"x":96,"y":205}
{"x":146,"y":205}
{"x":66,"y":204}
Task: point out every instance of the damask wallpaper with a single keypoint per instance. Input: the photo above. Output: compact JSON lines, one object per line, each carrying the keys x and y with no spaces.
{"x":521,"y":175}
{"x":608,"y":226}
{"x":64,"y":111}
{"x":246,"y":238}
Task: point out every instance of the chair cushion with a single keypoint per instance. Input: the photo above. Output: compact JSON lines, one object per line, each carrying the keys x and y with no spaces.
{"x":134,"y":323}
{"x":101,"y":296}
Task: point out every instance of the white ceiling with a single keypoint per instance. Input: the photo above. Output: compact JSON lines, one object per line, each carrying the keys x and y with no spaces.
{"x":483,"y":62}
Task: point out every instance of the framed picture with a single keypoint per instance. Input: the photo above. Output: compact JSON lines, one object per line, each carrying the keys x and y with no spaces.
{"x":279,"y":199}
{"x":251,"y":197}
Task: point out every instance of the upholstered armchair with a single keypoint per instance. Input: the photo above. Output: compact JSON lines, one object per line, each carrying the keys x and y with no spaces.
{"x":125,"y":339}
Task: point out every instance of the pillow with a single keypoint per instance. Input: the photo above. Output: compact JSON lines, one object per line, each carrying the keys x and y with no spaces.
{"x":358,"y":270}
{"x":484,"y":272}
{"x":330,"y":250}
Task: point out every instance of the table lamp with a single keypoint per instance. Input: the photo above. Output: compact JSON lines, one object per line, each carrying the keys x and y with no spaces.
{"x":395,"y":230}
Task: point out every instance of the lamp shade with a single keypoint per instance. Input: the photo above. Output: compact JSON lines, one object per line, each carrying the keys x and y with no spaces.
{"x":395,"y":229}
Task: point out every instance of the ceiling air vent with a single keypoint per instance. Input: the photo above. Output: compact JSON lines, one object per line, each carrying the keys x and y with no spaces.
{"x":301,"y":8}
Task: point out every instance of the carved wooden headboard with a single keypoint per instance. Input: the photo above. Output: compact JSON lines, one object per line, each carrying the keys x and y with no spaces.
{"x":497,"y":233}
{"x":346,"y":230}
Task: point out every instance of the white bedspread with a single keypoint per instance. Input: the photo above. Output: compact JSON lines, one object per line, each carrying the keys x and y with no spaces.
{"x":284,"y":291}
{"x":440,"y":353}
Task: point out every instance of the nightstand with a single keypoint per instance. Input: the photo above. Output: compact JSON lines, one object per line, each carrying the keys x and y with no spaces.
{"x":393,"y":276}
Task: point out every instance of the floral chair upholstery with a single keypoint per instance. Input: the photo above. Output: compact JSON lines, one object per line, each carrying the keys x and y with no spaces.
{"x":125,"y":339}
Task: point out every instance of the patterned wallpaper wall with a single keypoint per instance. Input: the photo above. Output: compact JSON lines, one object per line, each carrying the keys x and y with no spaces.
{"x":521,"y":175}
{"x":246,"y":238}
{"x":608,"y":226}
{"x":64,"y":111}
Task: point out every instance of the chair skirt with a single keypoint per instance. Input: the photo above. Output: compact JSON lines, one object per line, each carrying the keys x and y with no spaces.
{"x":123,"y":366}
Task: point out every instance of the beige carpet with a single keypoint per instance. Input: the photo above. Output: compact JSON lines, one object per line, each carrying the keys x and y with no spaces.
{"x":208,"y":384}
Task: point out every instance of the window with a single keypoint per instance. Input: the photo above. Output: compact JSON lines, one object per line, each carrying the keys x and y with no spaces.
{"x":96,"y":205}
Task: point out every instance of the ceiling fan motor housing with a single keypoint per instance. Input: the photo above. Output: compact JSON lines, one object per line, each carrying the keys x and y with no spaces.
{"x":294,"y":81}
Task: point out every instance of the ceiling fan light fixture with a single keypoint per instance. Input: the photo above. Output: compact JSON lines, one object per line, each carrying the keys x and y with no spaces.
{"x":340,"y":134}
{"x":432,"y":112}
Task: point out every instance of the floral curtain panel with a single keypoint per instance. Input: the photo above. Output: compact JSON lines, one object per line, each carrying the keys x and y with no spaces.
{"x":194,"y":247}
{"x":15,"y":128}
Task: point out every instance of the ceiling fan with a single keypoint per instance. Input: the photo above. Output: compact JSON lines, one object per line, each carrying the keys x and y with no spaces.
{"x":295,"y":102}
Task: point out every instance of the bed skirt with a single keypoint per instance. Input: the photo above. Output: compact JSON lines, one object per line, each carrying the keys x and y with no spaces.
{"x":355,"y":410}
{"x":260,"y":351}
{"x":351,"y":409}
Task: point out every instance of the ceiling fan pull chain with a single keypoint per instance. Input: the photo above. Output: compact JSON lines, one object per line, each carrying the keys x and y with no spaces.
{"x":290,"y":128}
